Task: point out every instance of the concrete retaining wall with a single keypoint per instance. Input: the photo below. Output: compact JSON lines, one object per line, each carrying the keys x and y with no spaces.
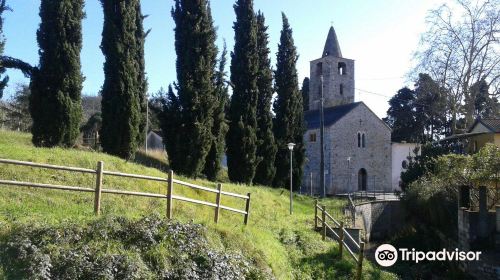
{"x":380,"y":219}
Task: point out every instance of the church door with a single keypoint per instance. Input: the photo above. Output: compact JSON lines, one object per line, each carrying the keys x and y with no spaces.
{"x":362,"y":179}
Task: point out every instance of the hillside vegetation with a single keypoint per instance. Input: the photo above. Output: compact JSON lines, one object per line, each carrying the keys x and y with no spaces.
{"x":44,"y":233}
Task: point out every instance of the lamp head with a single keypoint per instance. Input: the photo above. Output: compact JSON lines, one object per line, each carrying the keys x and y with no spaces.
{"x":290,"y":146}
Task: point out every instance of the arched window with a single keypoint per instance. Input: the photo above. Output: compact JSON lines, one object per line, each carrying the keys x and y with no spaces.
{"x":342,"y":68}
{"x":363,"y":141}
{"x":359,"y":139}
{"x":341,"y":89}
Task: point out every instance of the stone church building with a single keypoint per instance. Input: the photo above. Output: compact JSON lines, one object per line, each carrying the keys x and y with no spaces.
{"x":357,"y":144}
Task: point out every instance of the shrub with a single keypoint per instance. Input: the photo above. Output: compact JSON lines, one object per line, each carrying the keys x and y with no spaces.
{"x":118,"y":248}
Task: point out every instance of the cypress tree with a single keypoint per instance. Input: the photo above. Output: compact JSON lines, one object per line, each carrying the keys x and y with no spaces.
{"x":170,"y":123}
{"x":124,"y":86}
{"x":242,"y":136}
{"x":305,"y":93}
{"x":196,"y":62}
{"x":213,"y":162}
{"x":140,"y":37}
{"x":289,"y":122}
{"x":55,"y":102}
{"x":5,"y":79}
{"x":266,"y":149}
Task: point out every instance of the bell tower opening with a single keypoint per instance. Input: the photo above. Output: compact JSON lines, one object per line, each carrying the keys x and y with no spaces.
{"x":342,"y":68}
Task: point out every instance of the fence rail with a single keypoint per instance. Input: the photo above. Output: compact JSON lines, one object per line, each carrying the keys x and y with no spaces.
{"x":99,"y":173}
{"x":340,"y":236}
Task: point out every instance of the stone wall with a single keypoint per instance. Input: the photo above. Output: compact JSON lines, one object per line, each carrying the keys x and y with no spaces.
{"x":486,"y":269}
{"x":468,"y":224}
{"x":341,"y":175}
{"x":497,"y":236}
{"x":380,"y":219}
{"x":375,"y":158}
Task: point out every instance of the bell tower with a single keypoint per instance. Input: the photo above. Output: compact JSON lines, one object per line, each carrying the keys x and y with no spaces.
{"x":337,"y":74}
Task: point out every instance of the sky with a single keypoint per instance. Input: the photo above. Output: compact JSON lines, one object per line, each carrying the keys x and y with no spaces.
{"x":380,"y":36}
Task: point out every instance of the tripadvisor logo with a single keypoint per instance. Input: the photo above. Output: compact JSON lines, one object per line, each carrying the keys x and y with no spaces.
{"x":386,"y":255}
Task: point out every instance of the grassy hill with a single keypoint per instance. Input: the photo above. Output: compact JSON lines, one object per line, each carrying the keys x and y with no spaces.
{"x":274,"y":244}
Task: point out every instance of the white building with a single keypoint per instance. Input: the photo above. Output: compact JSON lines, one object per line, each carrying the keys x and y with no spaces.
{"x":400,"y":154}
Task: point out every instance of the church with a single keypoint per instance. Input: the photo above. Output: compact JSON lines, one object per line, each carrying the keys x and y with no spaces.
{"x":357,"y":143}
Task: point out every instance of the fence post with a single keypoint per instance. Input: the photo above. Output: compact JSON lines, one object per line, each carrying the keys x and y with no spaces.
{"x":247,"y":209}
{"x":217,"y":201}
{"x":98,"y":188}
{"x":170,"y":189}
{"x":360,"y":260}
{"x":316,"y":214}
{"x":323,"y":217}
{"x":341,"y":239}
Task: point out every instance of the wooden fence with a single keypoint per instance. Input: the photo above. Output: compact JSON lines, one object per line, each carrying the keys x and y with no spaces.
{"x":340,"y":235}
{"x":99,"y":190}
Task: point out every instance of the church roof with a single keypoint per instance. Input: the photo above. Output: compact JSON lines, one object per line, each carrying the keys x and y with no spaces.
{"x":331,"y":114}
{"x":332,"y":47}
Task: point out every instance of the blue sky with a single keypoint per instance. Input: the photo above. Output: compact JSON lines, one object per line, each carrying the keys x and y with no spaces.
{"x":379,"y":35}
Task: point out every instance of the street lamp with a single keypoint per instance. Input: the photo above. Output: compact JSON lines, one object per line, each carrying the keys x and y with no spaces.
{"x":349,"y":174}
{"x":290,"y":147}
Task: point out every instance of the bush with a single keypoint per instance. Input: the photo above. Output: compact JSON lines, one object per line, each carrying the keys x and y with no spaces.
{"x":118,"y":248}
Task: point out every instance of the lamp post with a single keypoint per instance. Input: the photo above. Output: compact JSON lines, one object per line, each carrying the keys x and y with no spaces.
{"x":349,"y":174}
{"x":290,"y":147}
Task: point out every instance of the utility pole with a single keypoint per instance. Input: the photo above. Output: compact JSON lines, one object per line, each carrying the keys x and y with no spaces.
{"x":321,"y":141}
{"x":147,"y":124}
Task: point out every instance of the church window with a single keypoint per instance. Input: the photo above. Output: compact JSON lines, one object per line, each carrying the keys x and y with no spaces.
{"x":361,"y":140}
{"x":341,"y":89}
{"x":319,"y":68}
{"x":342,"y":68}
{"x":312,"y":137}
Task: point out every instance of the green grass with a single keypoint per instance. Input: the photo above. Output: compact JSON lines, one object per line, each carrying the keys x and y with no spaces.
{"x":273,"y":239}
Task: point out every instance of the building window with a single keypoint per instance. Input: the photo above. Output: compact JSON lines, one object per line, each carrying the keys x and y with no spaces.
{"x":319,"y":68}
{"x":341,"y":89}
{"x":361,"y":140}
{"x":342,"y":68}
{"x":312,"y":137}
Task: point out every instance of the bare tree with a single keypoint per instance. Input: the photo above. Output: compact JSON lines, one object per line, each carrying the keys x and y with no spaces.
{"x":91,"y":104}
{"x":461,"y":48}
